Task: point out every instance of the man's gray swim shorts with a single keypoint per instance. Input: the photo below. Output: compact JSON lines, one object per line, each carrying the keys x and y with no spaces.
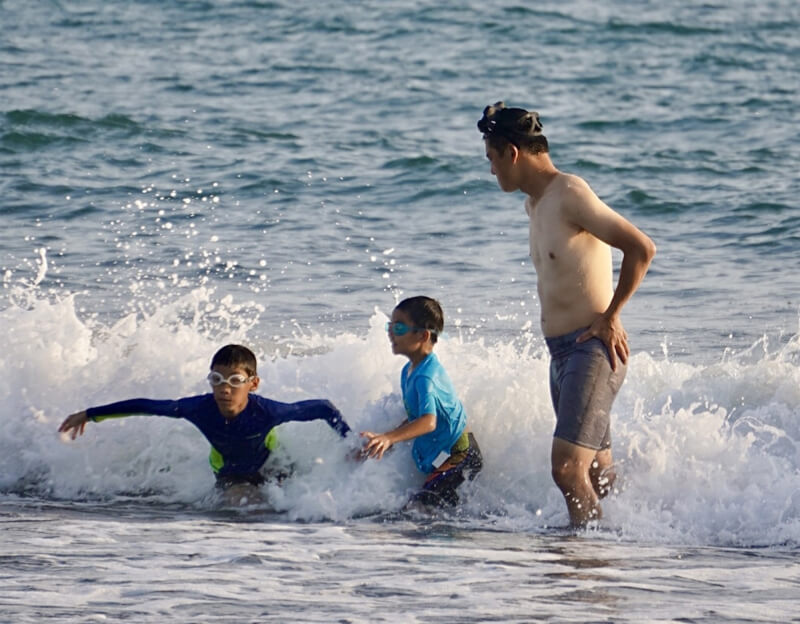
{"x":583,"y":387}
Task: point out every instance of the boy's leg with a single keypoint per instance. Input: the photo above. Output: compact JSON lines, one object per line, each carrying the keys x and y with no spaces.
{"x":440,"y":487}
{"x":224,"y":482}
{"x":474,"y":460}
{"x":241,"y":489}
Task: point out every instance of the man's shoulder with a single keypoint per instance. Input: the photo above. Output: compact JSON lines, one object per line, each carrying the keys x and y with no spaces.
{"x":577,"y":198}
{"x":564,"y":189}
{"x":573,"y":183}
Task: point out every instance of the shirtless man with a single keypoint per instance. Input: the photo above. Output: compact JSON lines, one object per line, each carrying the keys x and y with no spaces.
{"x":571,"y":235}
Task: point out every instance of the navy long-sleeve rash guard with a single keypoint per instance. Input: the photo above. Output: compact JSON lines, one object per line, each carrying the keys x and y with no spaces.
{"x":239,"y":445}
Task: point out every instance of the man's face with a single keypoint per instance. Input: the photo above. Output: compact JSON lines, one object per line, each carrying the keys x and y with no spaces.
{"x":502,"y":166}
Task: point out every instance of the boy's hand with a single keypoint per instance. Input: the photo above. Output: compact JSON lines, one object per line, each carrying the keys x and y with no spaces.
{"x":74,"y":424}
{"x":377,"y":444}
{"x":357,"y":455}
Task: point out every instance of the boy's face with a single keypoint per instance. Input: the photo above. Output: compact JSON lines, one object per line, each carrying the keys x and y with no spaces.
{"x":231,"y":400}
{"x":409,"y":343}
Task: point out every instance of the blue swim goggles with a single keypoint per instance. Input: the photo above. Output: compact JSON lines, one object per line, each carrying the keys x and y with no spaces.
{"x":401,"y":329}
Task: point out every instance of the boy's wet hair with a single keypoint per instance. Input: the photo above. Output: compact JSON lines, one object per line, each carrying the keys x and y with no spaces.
{"x":425,"y":313}
{"x":501,"y":126}
{"x":235,"y":356}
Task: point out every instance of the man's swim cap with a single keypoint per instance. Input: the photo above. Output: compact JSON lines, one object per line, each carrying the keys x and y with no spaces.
{"x":513,"y":124}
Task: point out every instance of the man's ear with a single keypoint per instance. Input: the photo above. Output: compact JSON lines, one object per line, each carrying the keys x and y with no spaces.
{"x":254,"y":383}
{"x":513,"y":152}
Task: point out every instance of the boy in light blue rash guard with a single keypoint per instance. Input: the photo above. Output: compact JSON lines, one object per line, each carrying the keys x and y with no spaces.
{"x":443,"y":448}
{"x":238,"y":424}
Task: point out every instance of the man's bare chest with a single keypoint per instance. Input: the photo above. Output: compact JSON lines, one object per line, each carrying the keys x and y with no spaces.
{"x":549,"y":234}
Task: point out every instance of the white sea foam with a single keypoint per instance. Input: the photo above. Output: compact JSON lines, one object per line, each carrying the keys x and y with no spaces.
{"x":707,"y":454}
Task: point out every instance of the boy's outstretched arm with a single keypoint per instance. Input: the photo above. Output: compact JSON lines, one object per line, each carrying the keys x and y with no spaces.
{"x":74,"y":424}
{"x":304,"y":411}
{"x":378,"y":443}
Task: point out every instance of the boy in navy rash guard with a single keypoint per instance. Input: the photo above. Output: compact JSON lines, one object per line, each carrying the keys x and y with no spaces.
{"x":238,"y":424}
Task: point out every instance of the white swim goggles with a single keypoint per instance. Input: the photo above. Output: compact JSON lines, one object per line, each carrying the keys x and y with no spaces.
{"x":237,"y":380}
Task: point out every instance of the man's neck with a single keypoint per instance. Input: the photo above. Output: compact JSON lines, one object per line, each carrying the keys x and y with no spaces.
{"x":538,"y":172}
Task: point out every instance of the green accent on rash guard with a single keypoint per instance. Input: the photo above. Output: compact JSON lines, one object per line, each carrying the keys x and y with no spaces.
{"x":217,"y":461}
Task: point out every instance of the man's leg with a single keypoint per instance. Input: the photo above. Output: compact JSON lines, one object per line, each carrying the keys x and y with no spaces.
{"x":602,"y":473}
{"x":571,"y":465}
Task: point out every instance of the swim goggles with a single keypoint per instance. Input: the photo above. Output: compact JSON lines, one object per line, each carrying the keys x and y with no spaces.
{"x":401,"y":329}
{"x":237,"y":380}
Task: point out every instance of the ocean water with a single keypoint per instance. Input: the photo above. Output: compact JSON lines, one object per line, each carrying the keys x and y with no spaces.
{"x":179,"y":175}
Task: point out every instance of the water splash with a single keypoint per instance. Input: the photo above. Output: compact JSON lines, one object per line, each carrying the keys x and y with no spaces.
{"x":708,"y":454}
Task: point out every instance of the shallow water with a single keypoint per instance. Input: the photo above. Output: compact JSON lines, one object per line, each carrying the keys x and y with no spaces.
{"x":156,"y":564}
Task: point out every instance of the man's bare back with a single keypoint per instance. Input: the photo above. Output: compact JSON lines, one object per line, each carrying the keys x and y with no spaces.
{"x":573,"y":267}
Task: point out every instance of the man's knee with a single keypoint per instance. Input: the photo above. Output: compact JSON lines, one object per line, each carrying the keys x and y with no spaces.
{"x":567,"y":472}
{"x":570,"y":464}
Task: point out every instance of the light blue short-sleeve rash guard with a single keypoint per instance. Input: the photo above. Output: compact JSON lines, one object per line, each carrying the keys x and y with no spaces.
{"x":428,"y":390}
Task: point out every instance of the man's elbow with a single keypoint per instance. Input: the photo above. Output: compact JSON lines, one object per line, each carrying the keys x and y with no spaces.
{"x":645,"y":250}
{"x":649,"y":250}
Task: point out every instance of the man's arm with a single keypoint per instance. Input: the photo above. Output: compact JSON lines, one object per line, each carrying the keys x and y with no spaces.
{"x":587,"y":211}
